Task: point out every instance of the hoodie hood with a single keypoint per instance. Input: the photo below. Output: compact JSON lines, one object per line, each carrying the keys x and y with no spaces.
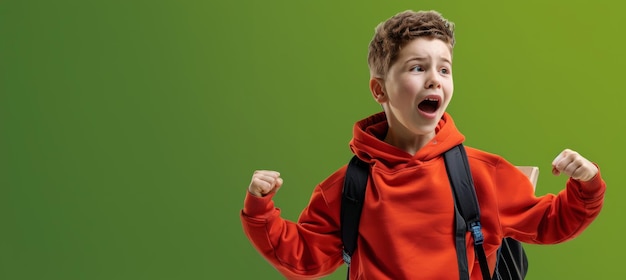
{"x":368,"y":135}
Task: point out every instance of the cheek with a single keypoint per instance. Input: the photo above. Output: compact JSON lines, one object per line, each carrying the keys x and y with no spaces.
{"x":448,"y":98}
{"x":408,"y":88}
{"x":448,"y":88}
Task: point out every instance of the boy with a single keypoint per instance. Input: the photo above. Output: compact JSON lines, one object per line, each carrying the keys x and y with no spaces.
{"x":406,"y":230}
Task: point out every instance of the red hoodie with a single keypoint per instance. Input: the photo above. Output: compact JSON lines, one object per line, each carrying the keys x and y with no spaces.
{"x":407,"y":225}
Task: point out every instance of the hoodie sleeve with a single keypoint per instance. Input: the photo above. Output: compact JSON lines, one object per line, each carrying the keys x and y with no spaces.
{"x":548,"y":219}
{"x":308,"y":249}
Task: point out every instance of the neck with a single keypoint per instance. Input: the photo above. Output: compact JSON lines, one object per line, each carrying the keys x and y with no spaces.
{"x":410,"y":144}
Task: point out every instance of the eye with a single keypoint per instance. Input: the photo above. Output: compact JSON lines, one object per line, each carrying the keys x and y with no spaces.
{"x":417,"y":68}
{"x":445,"y":71}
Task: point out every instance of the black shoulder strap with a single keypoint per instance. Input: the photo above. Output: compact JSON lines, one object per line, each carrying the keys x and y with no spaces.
{"x":352,"y":199}
{"x":466,"y":206}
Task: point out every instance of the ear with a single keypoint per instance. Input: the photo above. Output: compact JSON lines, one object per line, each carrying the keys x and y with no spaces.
{"x":377,"y":87}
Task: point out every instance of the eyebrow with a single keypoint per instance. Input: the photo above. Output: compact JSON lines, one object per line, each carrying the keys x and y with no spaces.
{"x":421,"y":58}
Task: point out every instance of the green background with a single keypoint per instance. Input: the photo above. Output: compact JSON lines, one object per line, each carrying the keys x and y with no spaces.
{"x":129,"y":130}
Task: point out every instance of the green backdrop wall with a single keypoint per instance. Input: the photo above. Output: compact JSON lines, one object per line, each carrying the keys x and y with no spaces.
{"x":129,"y":129}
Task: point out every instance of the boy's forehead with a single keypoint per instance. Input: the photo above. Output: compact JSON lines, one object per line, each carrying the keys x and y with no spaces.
{"x":426,"y":47}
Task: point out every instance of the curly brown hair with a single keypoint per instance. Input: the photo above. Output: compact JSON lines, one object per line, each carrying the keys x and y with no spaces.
{"x":392,"y":34}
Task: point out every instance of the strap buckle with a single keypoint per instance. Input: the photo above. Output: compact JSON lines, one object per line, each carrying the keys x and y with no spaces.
{"x":477,"y":233}
{"x":346,"y":258}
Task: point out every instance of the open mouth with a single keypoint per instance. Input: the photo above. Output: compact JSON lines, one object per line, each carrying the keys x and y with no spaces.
{"x":429,"y":105}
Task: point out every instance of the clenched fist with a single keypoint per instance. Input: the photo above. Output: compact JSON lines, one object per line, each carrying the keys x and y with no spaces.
{"x":264,"y":182}
{"x":574,"y":165}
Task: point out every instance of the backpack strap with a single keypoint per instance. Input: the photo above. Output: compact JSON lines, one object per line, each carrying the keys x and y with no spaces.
{"x":352,"y":199}
{"x":466,"y":206}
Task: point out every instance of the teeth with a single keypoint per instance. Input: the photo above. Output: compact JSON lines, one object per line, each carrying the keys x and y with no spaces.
{"x":432,"y":99}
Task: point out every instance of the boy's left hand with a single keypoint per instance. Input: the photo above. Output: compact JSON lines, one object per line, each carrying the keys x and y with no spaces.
{"x":574,"y":165}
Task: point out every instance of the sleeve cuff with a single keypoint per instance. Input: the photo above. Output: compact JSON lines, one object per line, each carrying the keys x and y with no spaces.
{"x":593,"y":189}
{"x":258,"y":207}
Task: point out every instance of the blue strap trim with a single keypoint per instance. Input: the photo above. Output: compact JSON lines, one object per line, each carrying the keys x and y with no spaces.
{"x":477,"y":233}
{"x":346,"y":258}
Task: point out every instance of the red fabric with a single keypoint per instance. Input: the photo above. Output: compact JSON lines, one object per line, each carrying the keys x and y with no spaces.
{"x":407,"y":229}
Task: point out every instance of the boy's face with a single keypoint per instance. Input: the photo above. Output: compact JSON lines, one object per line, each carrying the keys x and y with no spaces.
{"x":418,"y":87}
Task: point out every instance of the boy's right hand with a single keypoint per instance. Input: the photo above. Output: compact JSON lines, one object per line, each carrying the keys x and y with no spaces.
{"x":264,"y":182}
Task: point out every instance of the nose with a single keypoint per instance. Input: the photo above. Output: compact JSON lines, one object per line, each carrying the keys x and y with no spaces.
{"x":432,"y":81}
